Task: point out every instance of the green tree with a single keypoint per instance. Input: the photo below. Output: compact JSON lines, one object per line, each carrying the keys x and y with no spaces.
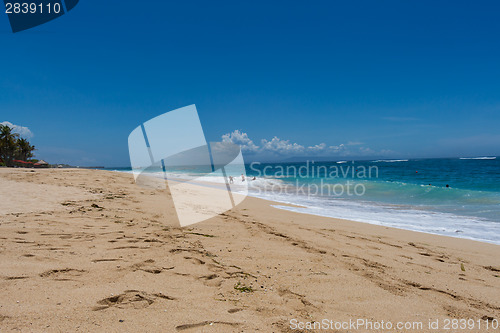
{"x":24,"y":149}
{"x":7,"y":144}
{"x":13,"y":147}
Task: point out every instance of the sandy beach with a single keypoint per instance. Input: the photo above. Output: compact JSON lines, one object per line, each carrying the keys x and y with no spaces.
{"x":88,"y":250}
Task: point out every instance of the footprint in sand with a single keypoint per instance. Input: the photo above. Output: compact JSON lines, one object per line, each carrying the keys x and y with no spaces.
{"x":147,"y":266}
{"x":130,"y":299}
{"x":195,"y":260}
{"x":213,"y":324}
{"x":212,"y":280}
{"x":64,"y":274}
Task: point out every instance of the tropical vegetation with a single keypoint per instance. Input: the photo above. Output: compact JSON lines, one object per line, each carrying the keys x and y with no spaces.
{"x":13,"y":147}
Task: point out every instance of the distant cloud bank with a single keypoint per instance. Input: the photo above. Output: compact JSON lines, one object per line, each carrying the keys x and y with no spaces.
{"x":23,"y":131}
{"x":280,"y":147}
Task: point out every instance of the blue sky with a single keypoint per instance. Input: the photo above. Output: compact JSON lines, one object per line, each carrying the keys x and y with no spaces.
{"x":393,"y":79}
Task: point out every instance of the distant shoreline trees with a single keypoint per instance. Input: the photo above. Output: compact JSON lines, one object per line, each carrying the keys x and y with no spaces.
{"x":13,"y":147}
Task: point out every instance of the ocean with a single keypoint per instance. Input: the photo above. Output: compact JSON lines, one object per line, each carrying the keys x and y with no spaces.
{"x":458,"y":197}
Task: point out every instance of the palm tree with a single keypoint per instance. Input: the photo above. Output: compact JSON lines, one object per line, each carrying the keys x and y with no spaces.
{"x":13,"y":147}
{"x":7,"y":144}
{"x":24,"y":149}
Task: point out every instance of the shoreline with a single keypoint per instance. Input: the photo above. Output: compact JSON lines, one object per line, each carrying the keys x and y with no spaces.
{"x":282,"y":200}
{"x":85,"y":249}
{"x":285,"y":204}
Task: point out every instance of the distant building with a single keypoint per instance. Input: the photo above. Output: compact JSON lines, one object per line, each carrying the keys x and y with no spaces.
{"x":41,"y":164}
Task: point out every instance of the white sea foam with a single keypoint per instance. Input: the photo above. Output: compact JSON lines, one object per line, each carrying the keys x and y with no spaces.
{"x":479,"y":158}
{"x":396,"y":216}
{"x":389,"y":161}
{"x":218,"y":178}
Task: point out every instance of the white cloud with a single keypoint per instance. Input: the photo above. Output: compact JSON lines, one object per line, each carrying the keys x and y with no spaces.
{"x":284,"y":147}
{"x":277,"y":146}
{"x":241,"y":139}
{"x":337,"y":149}
{"x":21,"y":130}
{"x":317,"y":148}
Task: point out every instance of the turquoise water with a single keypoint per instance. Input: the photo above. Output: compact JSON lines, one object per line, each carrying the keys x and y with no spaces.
{"x":408,"y":194}
{"x":474,"y":184}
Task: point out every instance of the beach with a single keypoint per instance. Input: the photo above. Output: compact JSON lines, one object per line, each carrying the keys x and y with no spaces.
{"x":89,"y":250}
